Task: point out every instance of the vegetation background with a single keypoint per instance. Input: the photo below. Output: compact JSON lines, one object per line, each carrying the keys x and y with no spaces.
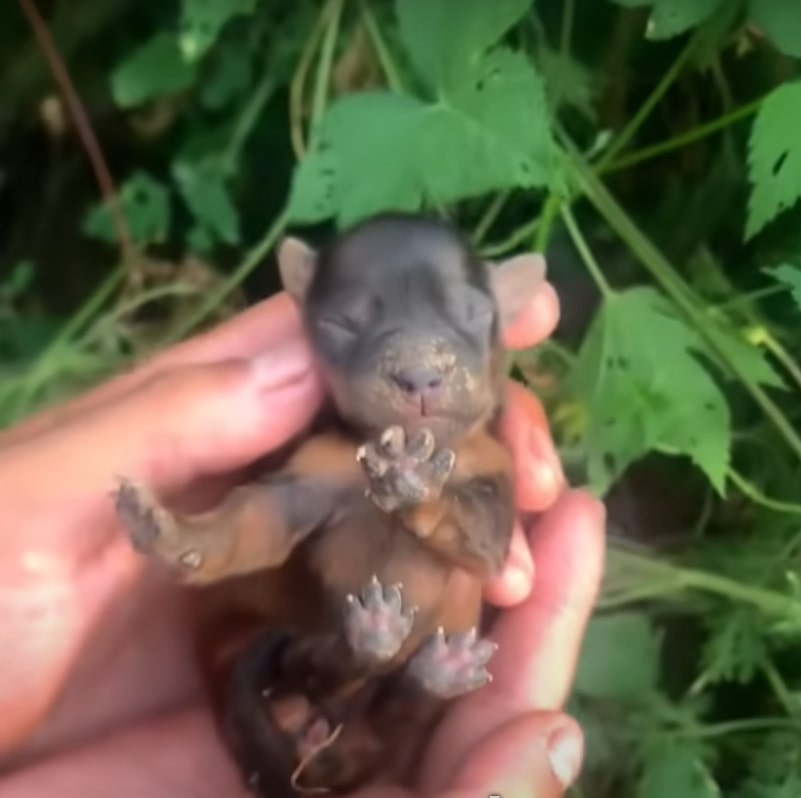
{"x":152,"y":153}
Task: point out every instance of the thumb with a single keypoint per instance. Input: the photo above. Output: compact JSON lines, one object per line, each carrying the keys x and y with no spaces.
{"x":179,"y":425}
{"x":536,"y":755}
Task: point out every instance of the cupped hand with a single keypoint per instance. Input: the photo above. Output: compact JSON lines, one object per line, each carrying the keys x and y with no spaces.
{"x":99,"y":683}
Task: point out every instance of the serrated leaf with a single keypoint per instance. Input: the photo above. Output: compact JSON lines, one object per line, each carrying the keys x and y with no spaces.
{"x":791,"y":276}
{"x":203,"y":20}
{"x":644,"y":388}
{"x":145,"y":204}
{"x":670,"y":18}
{"x":154,"y":69}
{"x":674,"y":769}
{"x":619,"y":657}
{"x":775,"y":768}
{"x":203,"y":189}
{"x":443,"y":37}
{"x":781,"y":21}
{"x":496,"y":122}
{"x":486,"y":129}
{"x":568,"y":82}
{"x":749,"y":358}
{"x":774,"y":158}
{"x":735,"y":647}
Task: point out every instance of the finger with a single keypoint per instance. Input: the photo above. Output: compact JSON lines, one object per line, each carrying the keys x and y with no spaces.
{"x":182,"y":755}
{"x":259,"y":328}
{"x":535,"y":755}
{"x":535,"y":323}
{"x":187,"y":423}
{"x":539,"y":477}
{"x":539,"y":640}
{"x":514,"y":582}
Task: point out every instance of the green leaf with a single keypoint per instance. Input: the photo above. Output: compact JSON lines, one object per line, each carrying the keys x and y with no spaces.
{"x":156,"y":68}
{"x":735,"y":648}
{"x":568,"y":83}
{"x":791,"y":276}
{"x":749,"y":357}
{"x":775,"y":768}
{"x":203,"y":189}
{"x":443,"y":37}
{"x":203,"y":20}
{"x":781,"y":21}
{"x":619,"y":657}
{"x":18,"y":280}
{"x":674,"y":769}
{"x":145,"y":205}
{"x":229,"y":78}
{"x":644,"y":388}
{"x":774,"y":158}
{"x":379,"y":150}
{"x":670,"y":18}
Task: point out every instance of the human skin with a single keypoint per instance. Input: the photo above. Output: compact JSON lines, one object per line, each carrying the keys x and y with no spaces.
{"x":100,"y":690}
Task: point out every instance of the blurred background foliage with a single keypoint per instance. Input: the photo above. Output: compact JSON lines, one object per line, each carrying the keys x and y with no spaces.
{"x":153,"y":153}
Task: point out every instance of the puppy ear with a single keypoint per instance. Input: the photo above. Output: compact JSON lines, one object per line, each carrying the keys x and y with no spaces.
{"x":296,"y":264}
{"x":515,"y":281}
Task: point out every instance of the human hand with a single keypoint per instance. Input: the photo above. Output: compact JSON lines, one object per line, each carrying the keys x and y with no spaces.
{"x":84,"y":620}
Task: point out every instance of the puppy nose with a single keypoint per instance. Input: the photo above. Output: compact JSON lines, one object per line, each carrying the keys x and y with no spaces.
{"x":417,"y":379}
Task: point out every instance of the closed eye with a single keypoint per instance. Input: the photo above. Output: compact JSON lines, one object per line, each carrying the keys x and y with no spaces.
{"x":338,"y":325}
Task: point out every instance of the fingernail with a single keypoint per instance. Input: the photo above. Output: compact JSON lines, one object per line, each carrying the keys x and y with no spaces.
{"x":281,"y":365}
{"x":564,"y":752}
{"x":547,"y":467}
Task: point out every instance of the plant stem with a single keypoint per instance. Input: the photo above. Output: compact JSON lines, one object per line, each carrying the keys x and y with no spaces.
{"x":387,"y":64}
{"x":650,"y":103}
{"x":756,"y":495}
{"x":324,"y":66}
{"x":745,"y":726}
{"x":780,"y":689}
{"x":586,"y":255}
{"x":40,"y":370}
{"x":246,"y":122}
{"x":767,"y":601}
{"x":515,"y":238}
{"x":543,"y":230}
{"x":682,"y":140}
{"x":751,"y":296}
{"x":663,"y":272}
{"x":249,"y":263}
{"x":489,"y":217}
{"x":298,"y":83}
{"x":782,"y":355}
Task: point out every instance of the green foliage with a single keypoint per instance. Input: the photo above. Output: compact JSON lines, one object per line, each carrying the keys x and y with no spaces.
{"x":145,"y":204}
{"x":774,"y":163}
{"x":735,"y":648}
{"x":649,"y":147}
{"x":203,"y":20}
{"x":646,"y":392}
{"x":620,"y":657}
{"x":791,"y":276}
{"x":203,"y":189}
{"x":775,"y":770}
{"x":781,"y":22}
{"x":487,"y":110}
{"x":670,"y":18}
{"x":674,"y":769}
{"x":152,"y":70}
